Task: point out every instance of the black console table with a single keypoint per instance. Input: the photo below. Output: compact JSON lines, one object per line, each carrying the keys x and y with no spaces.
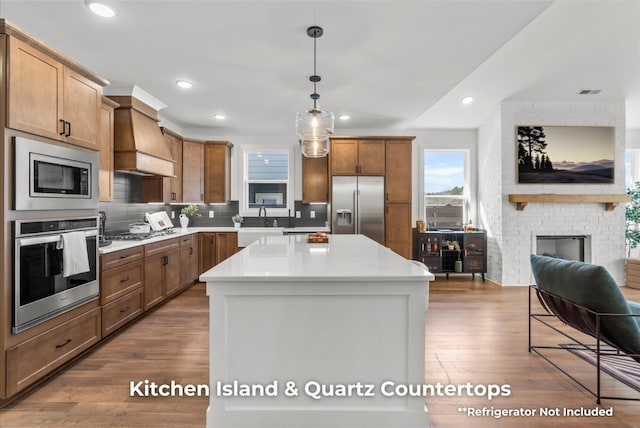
{"x":469,"y":256}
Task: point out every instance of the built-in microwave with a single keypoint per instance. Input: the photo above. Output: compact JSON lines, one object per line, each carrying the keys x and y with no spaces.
{"x":48,"y":176}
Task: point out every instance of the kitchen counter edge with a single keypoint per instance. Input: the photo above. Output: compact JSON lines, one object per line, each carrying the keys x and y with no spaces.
{"x":123,"y":245}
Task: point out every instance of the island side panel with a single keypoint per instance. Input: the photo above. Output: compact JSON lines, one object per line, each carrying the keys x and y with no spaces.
{"x":340,"y":332}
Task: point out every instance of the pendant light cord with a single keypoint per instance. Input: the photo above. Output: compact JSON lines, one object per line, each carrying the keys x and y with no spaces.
{"x":315,"y":99}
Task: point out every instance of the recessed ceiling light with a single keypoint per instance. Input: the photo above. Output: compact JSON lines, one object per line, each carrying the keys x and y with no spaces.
{"x":467,"y":100}
{"x":219,"y":116}
{"x":345,"y":117}
{"x":101,"y":8}
{"x":184,"y":84}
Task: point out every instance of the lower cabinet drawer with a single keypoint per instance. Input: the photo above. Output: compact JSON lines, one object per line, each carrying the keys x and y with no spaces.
{"x":40,"y":355}
{"x":121,"y":311}
{"x":115,"y":283}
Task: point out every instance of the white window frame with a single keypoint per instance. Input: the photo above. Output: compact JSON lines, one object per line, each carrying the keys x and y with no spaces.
{"x":466,"y":196}
{"x":635,"y":166}
{"x":244,"y":195}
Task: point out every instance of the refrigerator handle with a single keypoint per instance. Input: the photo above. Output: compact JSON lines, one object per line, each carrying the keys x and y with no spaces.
{"x":356,"y":205}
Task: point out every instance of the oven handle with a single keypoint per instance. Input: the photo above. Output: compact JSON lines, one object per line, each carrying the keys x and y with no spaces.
{"x":36,"y":240}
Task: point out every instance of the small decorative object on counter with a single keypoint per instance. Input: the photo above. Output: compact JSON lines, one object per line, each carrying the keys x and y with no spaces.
{"x":420,"y":225}
{"x":457,"y":266}
{"x":318,"y":238}
{"x":185,"y":213}
{"x":468,"y":227}
{"x":237,"y":220}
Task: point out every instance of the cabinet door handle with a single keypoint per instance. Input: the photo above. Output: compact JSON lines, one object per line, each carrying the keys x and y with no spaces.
{"x":125,"y":309}
{"x":190,"y":251}
{"x":386,"y":196}
{"x":125,"y":279}
{"x":68,"y":133}
{"x":165,"y":260}
{"x":202,"y":196}
{"x":62,"y":127}
{"x":125,"y":256}
{"x":173,"y":196}
{"x":63,"y":344}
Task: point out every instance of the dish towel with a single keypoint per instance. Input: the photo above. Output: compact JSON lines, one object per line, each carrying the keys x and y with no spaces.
{"x":75,"y":259}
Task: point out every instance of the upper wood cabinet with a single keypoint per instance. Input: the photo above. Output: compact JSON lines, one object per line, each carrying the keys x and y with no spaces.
{"x":105,"y":180}
{"x":50,"y":99}
{"x":397,"y":180}
{"x":350,"y":156}
{"x":193,"y":170}
{"x":167,"y":189}
{"x":315,"y":179}
{"x":217,"y":172}
{"x":174,"y":141}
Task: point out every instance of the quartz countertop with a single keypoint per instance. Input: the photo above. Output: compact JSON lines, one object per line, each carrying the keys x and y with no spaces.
{"x":123,"y":245}
{"x":292,"y":258}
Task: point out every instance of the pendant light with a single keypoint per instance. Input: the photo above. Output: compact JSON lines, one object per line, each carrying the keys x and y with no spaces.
{"x":314,"y":126}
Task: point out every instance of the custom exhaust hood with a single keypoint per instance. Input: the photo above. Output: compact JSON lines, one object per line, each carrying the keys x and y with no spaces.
{"x":139,"y":146}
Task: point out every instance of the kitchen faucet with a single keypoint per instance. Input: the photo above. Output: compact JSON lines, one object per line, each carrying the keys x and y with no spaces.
{"x":266,"y":221}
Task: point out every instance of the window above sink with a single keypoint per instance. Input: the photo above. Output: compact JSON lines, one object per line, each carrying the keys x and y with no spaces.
{"x":267,"y":181}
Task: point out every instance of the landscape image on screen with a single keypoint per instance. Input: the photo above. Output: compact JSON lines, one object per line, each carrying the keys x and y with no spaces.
{"x":565,"y":154}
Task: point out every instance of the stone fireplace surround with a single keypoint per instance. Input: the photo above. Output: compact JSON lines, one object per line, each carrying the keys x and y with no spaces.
{"x":510,"y":231}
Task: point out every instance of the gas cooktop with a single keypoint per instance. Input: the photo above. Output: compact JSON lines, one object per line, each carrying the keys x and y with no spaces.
{"x":127,"y":236}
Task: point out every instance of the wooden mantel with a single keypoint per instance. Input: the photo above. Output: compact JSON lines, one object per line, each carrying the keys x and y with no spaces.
{"x":609,"y":201}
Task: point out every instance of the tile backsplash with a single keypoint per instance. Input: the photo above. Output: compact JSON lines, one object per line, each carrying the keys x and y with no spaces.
{"x":127,"y":207}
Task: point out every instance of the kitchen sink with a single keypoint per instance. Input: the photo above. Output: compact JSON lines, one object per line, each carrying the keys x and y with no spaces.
{"x":247,"y":235}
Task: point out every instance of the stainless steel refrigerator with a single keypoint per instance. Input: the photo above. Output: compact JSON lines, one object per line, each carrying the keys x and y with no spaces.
{"x":357,"y":206}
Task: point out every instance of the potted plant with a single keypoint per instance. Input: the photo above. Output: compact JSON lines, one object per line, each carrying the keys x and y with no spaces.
{"x":237,"y":221}
{"x":632,"y":235}
{"x":186,"y":212}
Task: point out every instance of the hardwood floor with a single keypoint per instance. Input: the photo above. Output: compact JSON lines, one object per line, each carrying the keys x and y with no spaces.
{"x":476,"y":332}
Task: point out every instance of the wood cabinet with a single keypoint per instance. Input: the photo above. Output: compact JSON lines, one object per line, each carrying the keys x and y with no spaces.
{"x":397,"y":228}
{"x":397,"y":186}
{"x":217,"y":172}
{"x":116,"y":282}
{"x":188,"y":260}
{"x":207,"y":251}
{"x":47,"y":98}
{"x":315,"y":179}
{"x":105,"y":178}
{"x":216,"y":247}
{"x":431,"y":249}
{"x":167,"y":189}
{"x":193,"y":171}
{"x":161,"y":271}
{"x":121,"y":311}
{"x":119,"y":258}
{"x":36,"y":357}
{"x":121,"y":288}
{"x":397,"y":176}
{"x":350,"y":156}
{"x":174,"y":141}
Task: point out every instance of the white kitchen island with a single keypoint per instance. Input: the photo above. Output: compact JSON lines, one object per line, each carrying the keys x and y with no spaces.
{"x":336,"y":321}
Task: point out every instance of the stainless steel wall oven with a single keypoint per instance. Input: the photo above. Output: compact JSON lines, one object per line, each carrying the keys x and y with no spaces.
{"x":45,"y":284}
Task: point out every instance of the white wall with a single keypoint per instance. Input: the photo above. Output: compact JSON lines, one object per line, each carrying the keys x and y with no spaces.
{"x":513,"y":230}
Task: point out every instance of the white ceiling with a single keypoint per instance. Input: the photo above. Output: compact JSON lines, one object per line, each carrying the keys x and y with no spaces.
{"x":388,"y":64}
